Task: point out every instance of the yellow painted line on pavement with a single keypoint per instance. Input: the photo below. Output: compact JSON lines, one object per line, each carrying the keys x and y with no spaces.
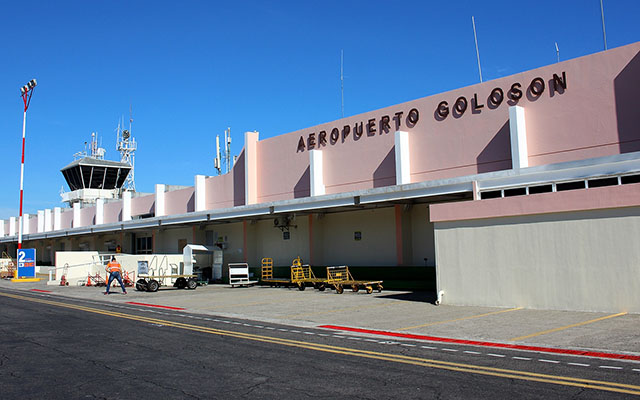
{"x":566,"y":327}
{"x":460,"y":319}
{"x":397,"y":358}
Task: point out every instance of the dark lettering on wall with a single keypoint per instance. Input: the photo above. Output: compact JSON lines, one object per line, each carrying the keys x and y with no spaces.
{"x":496,"y":97}
{"x":413,"y":117}
{"x":398,"y":118}
{"x":335,"y":135}
{"x":475,"y":104}
{"x":537,"y":86}
{"x":461,"y":105}
{"x":515,"y":93}
{"x":300,"y":144}
{"x":357,"y":130}
{"x":560,"y":82}
{"x":345,"y":132}
{"x":371,"y":127}
{"x":311,"y":142}
{"x":384,"y":124}
{"x":322,"y":138}
{"x":443,"y":109}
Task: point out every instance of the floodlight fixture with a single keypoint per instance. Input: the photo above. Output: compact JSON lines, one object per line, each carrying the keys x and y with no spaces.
{"x":32,"y":83}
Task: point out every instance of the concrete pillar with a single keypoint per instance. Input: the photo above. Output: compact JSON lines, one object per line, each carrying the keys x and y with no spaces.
{"x":25,"y":224}
{"x":250,"y":168}
{"x":57,"y":218}
{"x":99,"y":211}
{"x":40,"y":228}
{"x":159,"y":210}
{"x":47,"y":220}
{"x":12,"y":226}
{"x":126,"y":206}
{"x":403,"y":167}
{"x":518,"y":134}
{"x":2,"y":233}
{"x":75,"y":222}
{"x":316,"y":172}
{"x":200,"y":192}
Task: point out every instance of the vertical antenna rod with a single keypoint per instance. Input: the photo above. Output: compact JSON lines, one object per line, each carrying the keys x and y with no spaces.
{"x":604,"y":32}
{"x":557,"y":52}
{"x":475,"y":37}
{"x":342,"y":79}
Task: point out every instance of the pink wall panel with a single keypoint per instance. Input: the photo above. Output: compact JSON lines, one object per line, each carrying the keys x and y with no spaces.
{"x":220,"y":190}
{"x":573,"y":200}
{"x":593,"y":117}
{"x":66,"y":218}
{"x":143,"y":205}
{"x":112,"y":212}
{"x":88,"y":216}
{"x":179,"y":201}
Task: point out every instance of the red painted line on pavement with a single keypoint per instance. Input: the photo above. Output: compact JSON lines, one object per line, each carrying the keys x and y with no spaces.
{"x":488,"y":344}
{"x":40,"y":290}
{"x":154,"y":305}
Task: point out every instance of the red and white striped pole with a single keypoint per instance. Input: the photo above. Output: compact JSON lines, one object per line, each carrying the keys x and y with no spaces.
{"x":27,"y":92}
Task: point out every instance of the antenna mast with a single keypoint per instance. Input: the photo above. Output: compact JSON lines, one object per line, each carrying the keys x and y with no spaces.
{"x":127,"y":146}
{"x":557,"y":52}
{"x":217,"y":159}
{"x":475,"y":37}
{"x":342,"y":79}
{"x":604,"y":32}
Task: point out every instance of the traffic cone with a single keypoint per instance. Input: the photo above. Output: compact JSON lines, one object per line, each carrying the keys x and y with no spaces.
{"x":88,"y":280}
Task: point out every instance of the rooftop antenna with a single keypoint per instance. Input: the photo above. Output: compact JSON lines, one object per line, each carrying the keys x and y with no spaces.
{"x":227,"y":149}
{"x":604,"y":32}
{"x":127,"y":146}
{"x":475,"y":37}
{"x":218,"y":158}
{"x":557,"y":52}
{"x":342,"y":79}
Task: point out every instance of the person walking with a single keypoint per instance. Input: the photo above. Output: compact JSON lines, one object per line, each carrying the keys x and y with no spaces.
{"x":114,"y":268}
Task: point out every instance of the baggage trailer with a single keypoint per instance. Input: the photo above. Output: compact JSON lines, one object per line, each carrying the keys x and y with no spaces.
{"x":151,"y":283}
{"x":267,"y":275}
{"x":301,"y":275}
{"x":340,"y":277}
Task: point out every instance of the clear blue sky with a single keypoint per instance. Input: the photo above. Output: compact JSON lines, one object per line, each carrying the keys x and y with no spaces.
{"x":193,"y":68}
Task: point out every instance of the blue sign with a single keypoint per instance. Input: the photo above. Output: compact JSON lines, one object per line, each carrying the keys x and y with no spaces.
{"x":26,"y":263}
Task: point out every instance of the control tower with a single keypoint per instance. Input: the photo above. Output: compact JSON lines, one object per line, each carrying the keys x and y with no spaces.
{"x":91,"y":177}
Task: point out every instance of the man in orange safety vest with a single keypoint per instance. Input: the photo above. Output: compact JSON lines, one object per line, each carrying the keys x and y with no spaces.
{"x":114,"y":268}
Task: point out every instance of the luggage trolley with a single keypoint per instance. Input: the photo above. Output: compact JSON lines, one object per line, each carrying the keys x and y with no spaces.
{"x":301,"y":275}
{"x":267,"y":275}
{"x":339,"y":277}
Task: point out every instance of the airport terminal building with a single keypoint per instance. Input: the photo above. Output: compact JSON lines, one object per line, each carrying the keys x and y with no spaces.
{"x":521,"y":191}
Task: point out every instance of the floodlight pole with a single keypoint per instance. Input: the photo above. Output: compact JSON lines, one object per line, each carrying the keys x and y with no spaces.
{"x":27,"y":92}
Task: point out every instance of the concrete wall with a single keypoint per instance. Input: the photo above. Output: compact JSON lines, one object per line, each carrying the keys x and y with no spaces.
{"x":143,"y":205}
{"x":179,"y":201}
{"x":582,"y":260}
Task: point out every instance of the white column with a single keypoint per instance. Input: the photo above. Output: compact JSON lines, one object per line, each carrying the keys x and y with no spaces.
{"x":75,"y":223}
{"x":1,"y":228}
{"x":126,"y":206}
{"x":250,"y":168}
{"x":12,"y":226}
{"x":316,"y":172}
{"x":403,"y":167}
{"x":99,"y":211}
{"x":40,"y":221}
{"x":518,"y":133}
{"x":200,"y":193}
{"x":159,"y":211}
{"x":25,"y":224}
{"x":57,"y":218}
{"x":47,"y":220}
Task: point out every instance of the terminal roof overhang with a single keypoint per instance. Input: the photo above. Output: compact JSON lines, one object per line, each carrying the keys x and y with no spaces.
{"x":91,"y":173}
{"x":454,"y":189}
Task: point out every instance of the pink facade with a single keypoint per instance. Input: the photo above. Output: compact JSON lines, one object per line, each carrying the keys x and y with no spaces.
{"x":66,"y":219}
{"x":574,"y":200}
{"x":113,"y":212}
{"x":225,"y":191}
{"x":142,"y":205}
{"x":33,"y":223}
{"x":88,"y":216}
{"x":179,"y":201}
